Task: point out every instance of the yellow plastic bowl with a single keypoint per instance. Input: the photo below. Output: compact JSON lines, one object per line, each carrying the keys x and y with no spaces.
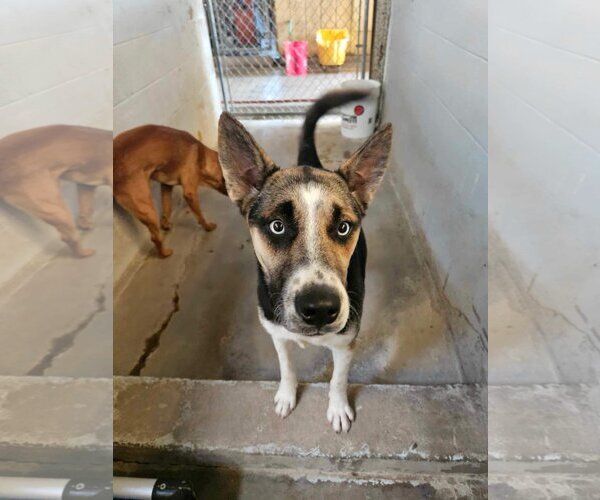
{"x":332,"y":45}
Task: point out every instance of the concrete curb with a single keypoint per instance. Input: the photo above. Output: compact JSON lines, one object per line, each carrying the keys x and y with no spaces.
{"x":398,"y":427}
{"x":548,"y":424}
{"x":55,"y":420}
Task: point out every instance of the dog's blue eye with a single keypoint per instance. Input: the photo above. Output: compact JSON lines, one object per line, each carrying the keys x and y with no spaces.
{"x":277,"y":227}
{"x":344,"y":229}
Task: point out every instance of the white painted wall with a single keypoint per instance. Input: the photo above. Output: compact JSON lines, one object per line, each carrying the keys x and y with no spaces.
{"x":55,"y":67}
{"x":545,"y":149}
{"x":164,"y":71}
{"x":436,"y":97}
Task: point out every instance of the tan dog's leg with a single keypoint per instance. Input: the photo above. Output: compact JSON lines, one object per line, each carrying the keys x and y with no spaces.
{"x":85,"y":195}
{"x":166,"y":193}
{"x":191,"y":197}
{"x":138,"y":200}
{"x":48,"y":205}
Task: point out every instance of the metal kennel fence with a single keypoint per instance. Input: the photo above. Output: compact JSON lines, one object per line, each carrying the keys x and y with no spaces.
{"x":274,"y":57}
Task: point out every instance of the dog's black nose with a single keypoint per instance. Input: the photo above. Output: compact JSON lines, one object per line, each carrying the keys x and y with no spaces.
{"x":318,"y":305}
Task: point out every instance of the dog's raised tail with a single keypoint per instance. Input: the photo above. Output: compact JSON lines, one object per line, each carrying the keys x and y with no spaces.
{"x":307,"y":156}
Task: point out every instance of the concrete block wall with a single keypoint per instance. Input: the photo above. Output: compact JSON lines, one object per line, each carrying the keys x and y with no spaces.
{"x":435,"y":88}
{"x":166,"y":76}
{"x":163,"y":57}
{"x":59,"y":63}
{"x":545,"y":149}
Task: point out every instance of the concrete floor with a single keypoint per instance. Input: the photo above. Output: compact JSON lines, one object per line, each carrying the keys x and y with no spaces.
{"x":56,"y":311}
{"x":543,"y":394}
{"x":532,"y":343}
{"x":194,"y":315}
{"x":56,"y":337}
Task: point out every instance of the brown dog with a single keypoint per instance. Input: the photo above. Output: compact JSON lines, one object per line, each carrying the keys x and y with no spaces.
{"x":32,"y":163}
{"x":171,"y":157}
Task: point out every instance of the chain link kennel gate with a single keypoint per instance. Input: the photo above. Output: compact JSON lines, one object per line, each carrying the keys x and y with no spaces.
{"x":328,"y":41}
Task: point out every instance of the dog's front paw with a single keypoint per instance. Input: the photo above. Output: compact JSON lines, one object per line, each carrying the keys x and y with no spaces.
{"x":209,"y":226}
{"x":285,"y":399}
{"x":163,"y":253}
{"x":340,"y":414}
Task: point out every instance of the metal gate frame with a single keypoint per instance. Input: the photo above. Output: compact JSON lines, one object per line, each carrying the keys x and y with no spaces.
{"x":218,"y":52}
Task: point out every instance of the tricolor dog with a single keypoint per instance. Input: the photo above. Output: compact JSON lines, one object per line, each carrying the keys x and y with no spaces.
{"x":305,"y":224}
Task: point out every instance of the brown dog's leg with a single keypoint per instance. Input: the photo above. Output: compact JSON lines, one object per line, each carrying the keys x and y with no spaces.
{"x":166,"y":192}
{"x":85,"y":195}
{"x":191,"y":197}
{"x":48,"y":205}
{"x":138,"y":200}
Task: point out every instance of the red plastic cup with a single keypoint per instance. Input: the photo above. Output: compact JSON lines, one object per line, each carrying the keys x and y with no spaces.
{"x":296,"y":57}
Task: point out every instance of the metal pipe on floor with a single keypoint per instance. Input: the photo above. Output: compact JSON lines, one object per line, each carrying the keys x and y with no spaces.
{"x":139,"y":488}
{"x":134,"y":488}
{"x":32,"y":487}
{"x":48,"y":488}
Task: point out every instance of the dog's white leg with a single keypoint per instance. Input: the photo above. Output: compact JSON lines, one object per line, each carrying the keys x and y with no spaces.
{"x":285,"y":399}
{"x":339,"y":413}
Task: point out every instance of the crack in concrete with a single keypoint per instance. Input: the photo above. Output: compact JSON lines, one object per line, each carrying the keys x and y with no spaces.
{"x":444,"y":301}
{"x":558,"y":314}
{"x":534,"y":302}
{"x":153,"y":341}
{"x":482,"y":334}
{"x":64,"y":342}
{"x":543,"y":319}
{"x":454,"y":318}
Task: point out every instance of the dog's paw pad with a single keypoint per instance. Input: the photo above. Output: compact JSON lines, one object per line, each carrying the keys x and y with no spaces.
{"x":285,"y":400}
{"x":340,"y":415}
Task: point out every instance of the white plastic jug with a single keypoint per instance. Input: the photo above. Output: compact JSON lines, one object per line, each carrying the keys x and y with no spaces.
{"x":358,"y":117}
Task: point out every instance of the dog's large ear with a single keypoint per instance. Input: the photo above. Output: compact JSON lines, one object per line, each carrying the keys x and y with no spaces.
{"x":245,"y":165}
{"x":364,"y":170}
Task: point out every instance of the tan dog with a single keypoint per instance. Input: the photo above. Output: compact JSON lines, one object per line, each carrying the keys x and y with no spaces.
{"x":171,"y":157}
{"x":33,"y":162}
